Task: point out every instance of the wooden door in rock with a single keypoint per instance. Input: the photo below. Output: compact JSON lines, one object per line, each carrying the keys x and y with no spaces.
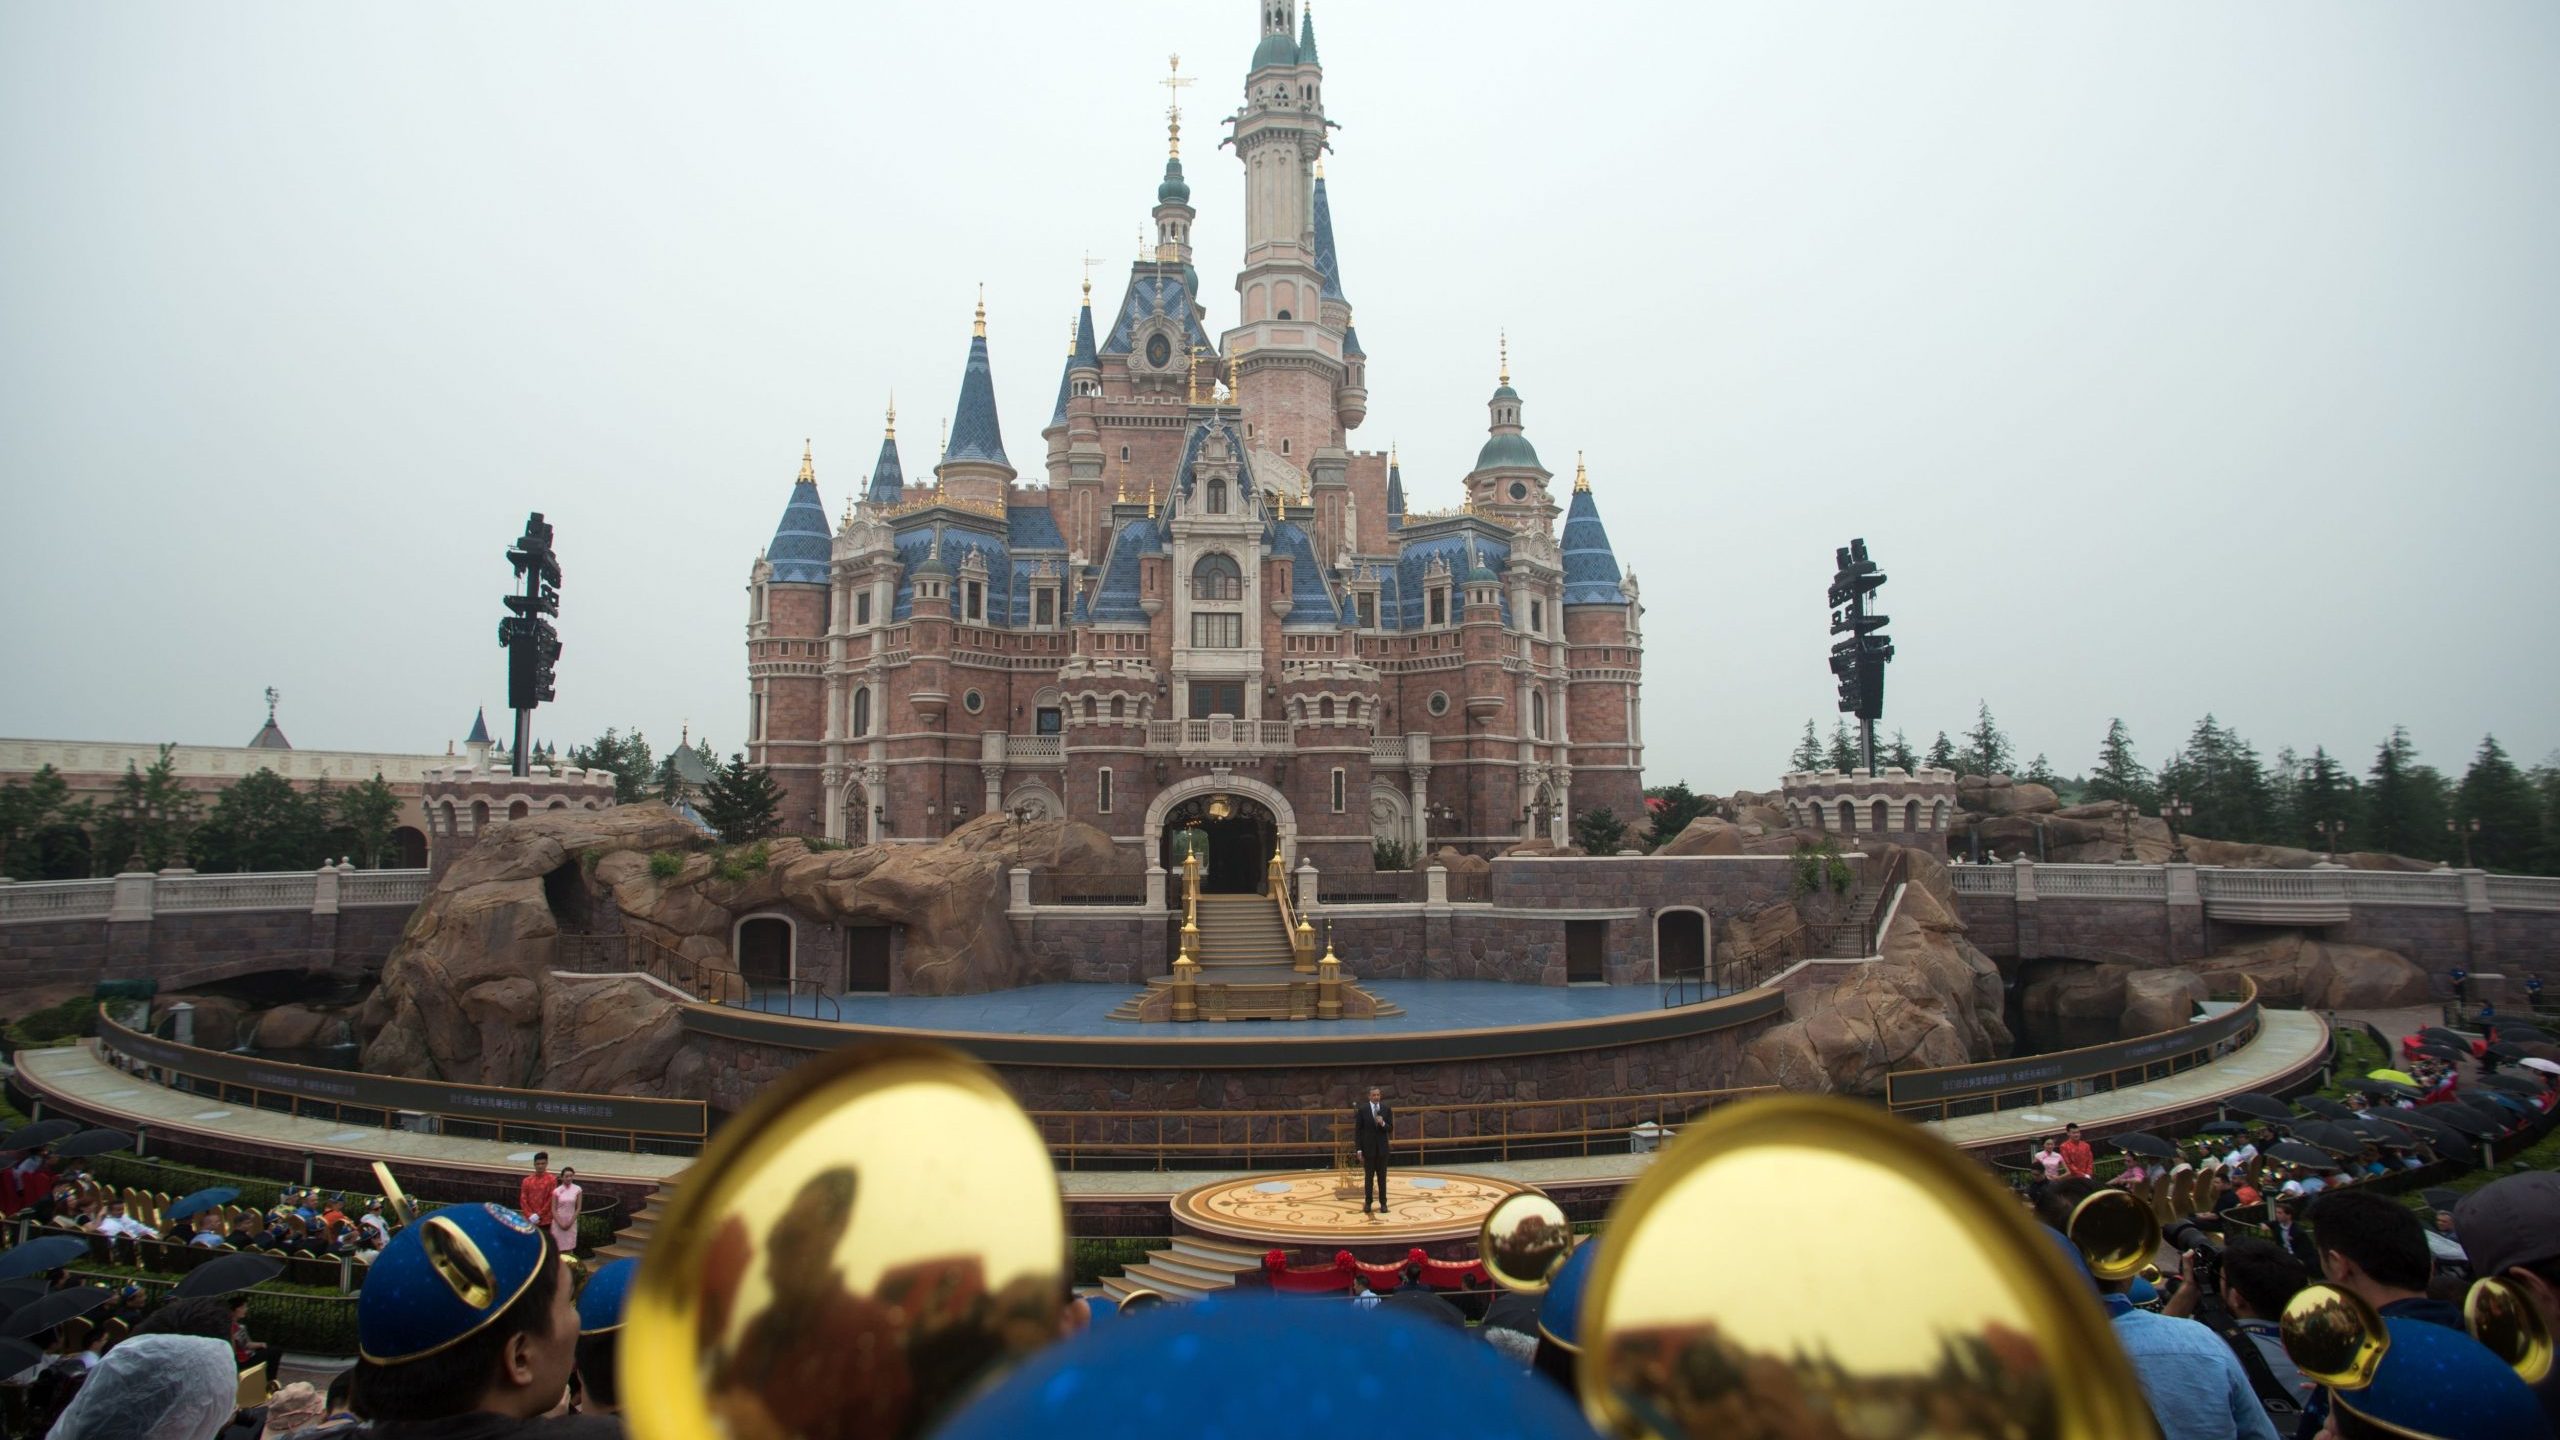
{"x":764,"y":953}
{"x":866,"y":959}
{"x":1585,"y":945}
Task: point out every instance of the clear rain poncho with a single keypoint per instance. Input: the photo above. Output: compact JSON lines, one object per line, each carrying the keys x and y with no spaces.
{"x":155,"y":1387}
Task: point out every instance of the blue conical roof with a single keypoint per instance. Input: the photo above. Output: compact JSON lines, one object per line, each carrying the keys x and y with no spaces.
{"x":802,"y":543}
{"x":975,"y":435}
{"x":1326,"y":265}
{"x":479,"y":727}
{"x":1307,"y":37}
{"x":1590,"y":566}
{"x":1083,"y":357}
{"x":1395,"y":496}
{"x":888,"y":477}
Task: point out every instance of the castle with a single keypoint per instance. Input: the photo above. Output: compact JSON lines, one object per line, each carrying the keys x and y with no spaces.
{"x":1213,"y":610}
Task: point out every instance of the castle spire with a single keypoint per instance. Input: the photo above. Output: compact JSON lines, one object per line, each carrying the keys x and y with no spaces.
{"x":1395,"y":489}
{"x":803,"y":541}
{"x":1505,"y":378}
{"x":1581,"y":475}
{"x":888,"y":477}
{"x":808,"y":474}
{"x":1307,"y":38}
{"x":1590,"y":566}
{"x":975,"y":434}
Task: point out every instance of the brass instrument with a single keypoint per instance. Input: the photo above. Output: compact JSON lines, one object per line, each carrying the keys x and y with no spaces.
{"x":856,"y":1252}
{"x":1721,"y":1303}
{"x":2117,"y":1234}
{"x":1140,"y":1300}
{"x":2502,"y":1317}
{"x":1524,"y":1241}
{"x":2334,"y":1336}
{"x":394,"y":1199}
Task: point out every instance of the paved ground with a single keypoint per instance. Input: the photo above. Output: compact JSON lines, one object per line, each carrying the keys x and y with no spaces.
{"x":2286,"y":1038}
{"x":1083,"y":1009}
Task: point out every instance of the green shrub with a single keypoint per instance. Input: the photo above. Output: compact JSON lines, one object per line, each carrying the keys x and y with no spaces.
{"x":69,"y":1020}
{"x":738,"y":862}
{"x":1094,"y":1259}
{"x":1820,"y":867}
{"x":1390,"y":855}
{"x":665,"y":864}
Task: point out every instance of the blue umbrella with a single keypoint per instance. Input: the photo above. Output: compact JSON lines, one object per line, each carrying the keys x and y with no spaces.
{"x":187,"y":1206}
{"x":50,"y":1252}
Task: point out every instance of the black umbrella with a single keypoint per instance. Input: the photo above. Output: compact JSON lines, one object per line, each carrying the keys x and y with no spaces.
{"x":2512,"y":1084}
{"x":2523,"y":1032}
{"x":2441,"y":1051}
{"x":2265,"y":1107}
{"x":21,"y":1292}
{"x":2222,"y":1127}
{"x":93,"y":1142}
{"x":2509,"y":1053}
{"x":1511,"y":1310}
{"x":2440,"y":1197}
{"x":2443,"y":1036}
{"x":42,"y":1132}
{"x":52,"y":1310}
{"x":1427,"y":1305}
{"x":48,"y":1252}
{"x":2443,"y":1134}
{"x":18,"y":1355}
{"x":2467,"y":1120}
{"x":2379,"y":1128}
{"x":2294,"y":1152}
{"x":2326,"y":1108}
{"x":2145,"y":1144}
{"x":2336,"y":1139}
{"x":225,"y":1274}
{"x":2496,"y":1101}
{"x":2382,"y":1089}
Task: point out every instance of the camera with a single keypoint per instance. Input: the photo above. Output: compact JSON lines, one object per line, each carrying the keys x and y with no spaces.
{"x":2199,"y":1243}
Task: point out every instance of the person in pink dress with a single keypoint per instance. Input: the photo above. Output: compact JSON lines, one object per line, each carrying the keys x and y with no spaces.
{"x":564,"y":1211}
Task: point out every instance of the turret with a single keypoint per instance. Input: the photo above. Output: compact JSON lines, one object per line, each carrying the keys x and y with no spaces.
{"x":974,"y":470}
{"x":477,"y":744}
{"x":1395,"y":490}
{"x":1590,"y":566}
{"x":888,"y":477}
{"x":1508,"y":482}
{"x":1293,"y":363}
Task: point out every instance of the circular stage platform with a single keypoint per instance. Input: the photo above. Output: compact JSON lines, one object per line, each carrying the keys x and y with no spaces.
{"x":1321,"y":1208}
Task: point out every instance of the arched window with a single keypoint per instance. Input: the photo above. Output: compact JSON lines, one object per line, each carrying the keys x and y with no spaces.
{"x":1848,"y":817}
{"x":479,"y":816}
{"x":1355,"y":709}
{"x":1216,"y":576}
{"x":1217,"y":497}
{"x":862,"y":710}
{"x":517,"y":811}
{"x":1324,"y":708}
{"x":1119,"y":707}
{"x":1538,"y":714}
{"x":1879,"y":817}
{"x":1911,"y":815}
{"x":448,"y":819}
{"x":1088,"y":707}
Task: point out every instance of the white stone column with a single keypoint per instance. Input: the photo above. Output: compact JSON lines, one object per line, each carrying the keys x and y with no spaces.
{"x":1020,"y":877}
{"x":324,"y":892}
{"x":1155,"y":887}
{"x":1306,"y":887}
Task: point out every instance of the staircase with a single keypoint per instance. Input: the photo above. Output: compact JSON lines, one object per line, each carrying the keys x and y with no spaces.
{"x":633,"y":1237}
{"x":1188,"y":1270}
{"x":1243,"y":930}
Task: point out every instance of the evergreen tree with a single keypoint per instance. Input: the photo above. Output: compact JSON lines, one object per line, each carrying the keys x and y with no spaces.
{"x":2495,"y":793}
{"x":1986,"y":749}
{"x":1673,"y":808}
{"x":742,"y":802}
{"x":2546,"y":785}
{"x":2119,"y":775}
{"x":1599,"y":832}
{"x":2039,"y":772}
{"x":369,"y":812}
{"x":2325,"y":795}
{"x":2403,"y":813}
{"x":153,"y":815}
{"x":1843,"y":755}
{"x":262,"y":823}
{"x":28,"y":806}
{"x":1898,"y":755}
{"x":2218,"y":773}
{"x":1942,"y":753}
{"x":626,"y":757}
{"x":2283,"y":785}
{"x":1808,"y":752}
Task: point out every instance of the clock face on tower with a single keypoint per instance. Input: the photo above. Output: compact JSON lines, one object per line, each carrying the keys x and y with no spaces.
{"x":1159,"y":351}
{"x":1519,"y":491}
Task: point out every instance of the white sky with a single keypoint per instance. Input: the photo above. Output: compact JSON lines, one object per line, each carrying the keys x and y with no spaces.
{"x":2171,"y":357}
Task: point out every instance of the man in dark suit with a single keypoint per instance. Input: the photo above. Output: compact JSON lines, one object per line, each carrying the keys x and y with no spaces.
{"x":1373,"y":1122}
{"x":2284,"y":1218}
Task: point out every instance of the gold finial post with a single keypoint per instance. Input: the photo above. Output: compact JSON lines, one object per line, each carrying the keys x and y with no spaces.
{"x":1506,"y":356}
{"x":1173,"y":82}
{"x":1151,"y":500}
{"x":1191,"y":375}
{"x":1235,"y":387}
{"x":892,"y":432}
{"x":1581,"y":476}
{"x":978,"y":327}
{"x":808,"y":476}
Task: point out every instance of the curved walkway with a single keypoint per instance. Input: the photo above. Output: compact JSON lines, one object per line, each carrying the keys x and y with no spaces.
{"x":2289,"y":1044}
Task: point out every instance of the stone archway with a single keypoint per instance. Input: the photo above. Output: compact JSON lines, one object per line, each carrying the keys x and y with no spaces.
{"x":1284,"y":819}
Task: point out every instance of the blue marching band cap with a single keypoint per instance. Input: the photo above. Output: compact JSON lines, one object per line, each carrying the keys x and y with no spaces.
{"x":2439,"y":1382}
{"x":600,"y":1302}
{"x":1560,"y":1317}
{"x":442,"y":1279}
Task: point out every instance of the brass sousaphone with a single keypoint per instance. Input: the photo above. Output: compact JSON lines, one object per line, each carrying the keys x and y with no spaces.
{"x":860,"y":1249}
{"x":1524,"y":1241}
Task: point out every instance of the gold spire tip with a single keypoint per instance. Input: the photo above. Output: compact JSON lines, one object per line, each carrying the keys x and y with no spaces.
{"x":1319,"y":167}
{"x":978,"y":327}
{"x":892,"y":432}
{"x":808,"y":475}
{"x":1392,"y":461}
{"x":1581,"y":475}
{"x":1506,"y":357}
{"x":1173,"y":82}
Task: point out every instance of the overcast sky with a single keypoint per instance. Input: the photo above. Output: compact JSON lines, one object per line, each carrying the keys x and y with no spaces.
{"x":2170,"y":357}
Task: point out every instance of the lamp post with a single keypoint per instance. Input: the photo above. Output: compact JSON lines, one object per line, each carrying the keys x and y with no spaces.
{"x":2173,"y":810}
{"x":2125,"y":812}
{"x":2463,"y":832}
{"x":2332,"y":831}
{"x":880,"y":819}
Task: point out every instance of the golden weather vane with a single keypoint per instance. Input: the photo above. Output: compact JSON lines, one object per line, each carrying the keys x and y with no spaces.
{"x":1173,"y":82}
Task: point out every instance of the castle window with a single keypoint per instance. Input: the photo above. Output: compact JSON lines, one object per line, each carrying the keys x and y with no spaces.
{"x":1284,"y":443}
{"x":1324,"y":708}
{"x":1044,"y":607}
{"x":827,"y":611}
{"x":862,"y":607}
{"x":1216,"y":697}
{"x":1439,"y":702}
{"x":973,"y":702}
{"x":977,"y":595}
{"x":1217,"y":497}
{"x":1047,"y":720}
{"x":1102,"y":790}
{"x":1124,"y":452}
{"x":1217,"y":577}
{"x":1368,"y":612}
{"x":1217,"y":632}
{"x":1341,"y":788}
{"x":1088,"y":707}
{"x":1537,"y":617}
{"x":1537,"y":714}
{"x":1439,"y":607}
{"x":1119,"y":707}
{"x":862,"y":711}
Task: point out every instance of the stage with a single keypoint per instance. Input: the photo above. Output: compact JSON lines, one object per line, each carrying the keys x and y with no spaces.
{"x":1439,"y":1210}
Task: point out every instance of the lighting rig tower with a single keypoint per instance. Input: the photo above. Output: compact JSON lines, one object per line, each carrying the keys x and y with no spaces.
{"x":525,"y":633}
{"x":1858,"y":662}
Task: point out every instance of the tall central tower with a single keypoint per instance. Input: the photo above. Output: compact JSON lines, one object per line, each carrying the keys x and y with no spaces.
{"x":1293,"y":366}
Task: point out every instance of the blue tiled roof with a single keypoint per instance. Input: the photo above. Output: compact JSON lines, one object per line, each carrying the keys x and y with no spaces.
{"x":1307,"y":37}
{"x":960,"y":537}
{"x":975,"y":435}
{"x":1590,"y":567}
{"x":1395,"y":497}
{"x":1083,"y":357}
{"x":1311,"y":602}
{"x":1412,"y":608}
{"x":1144,"y":291}
{"x":1326,"y":265}
{"x":1116,"y":598}
{"x":1033,"y":527}
{"x":801,"y":543}
{"x":1351,"y":341}
{"x":479,"y":727}
{"x":1191,"y":453}
{"x":888,"y":477}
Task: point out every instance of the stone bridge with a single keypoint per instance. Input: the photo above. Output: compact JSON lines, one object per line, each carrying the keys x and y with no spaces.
{"x":2172,"y":914}
{"x":183,"y":929}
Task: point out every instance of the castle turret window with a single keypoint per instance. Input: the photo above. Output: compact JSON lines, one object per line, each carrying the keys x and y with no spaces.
{"x":1217,"y":632}
{"x":1217,"y":577}
{"x":1217,"y":497}
{"x":862,"y":710}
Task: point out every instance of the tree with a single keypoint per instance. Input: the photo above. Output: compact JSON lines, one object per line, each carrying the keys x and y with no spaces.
{"x":28,"y":806}
{"x":1673,"y":806}
{"x":2324,"y":796}
{"x":1843,"y":755}
{"x":742,"y":802}
{"x":152,"y":815}
{"x":369,"y":812}
{"x":2403,"y":812}
{"x":2039,"y":772}
{"x":625,"y":757}
{"x":2495,"y":793}
{"x":2546,"y":784}
{"x":1899,"y":756}
{"x":1942,"y":753}
{"x":2119,"y":775}
{"x":1986,"y":749}
{"x":262,"y":823}
{"x":2218,"y":774}
{"x":1807,"y":755}
{"x":1599,"y":832}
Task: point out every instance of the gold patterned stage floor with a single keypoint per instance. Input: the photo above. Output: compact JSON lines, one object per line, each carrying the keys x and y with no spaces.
{"x":1322,"y":1207}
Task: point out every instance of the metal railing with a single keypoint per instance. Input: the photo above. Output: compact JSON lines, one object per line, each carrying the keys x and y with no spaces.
{"x":1425,"y":1134}
{"x":716,"y":984}
{"x":1942,"y":1092}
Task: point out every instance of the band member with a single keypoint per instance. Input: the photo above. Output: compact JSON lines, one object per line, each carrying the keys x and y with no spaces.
{"x":1373,"y":1122}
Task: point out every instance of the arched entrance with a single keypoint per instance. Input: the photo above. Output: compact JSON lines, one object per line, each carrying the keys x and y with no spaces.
{"x":1679,"y":943}
{"x":764,"y":951}
{"x":1241,"y":834}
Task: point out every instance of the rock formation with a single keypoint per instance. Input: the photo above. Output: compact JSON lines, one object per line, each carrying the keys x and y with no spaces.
{"x":1929,"y":999}
{"x":2290,"y":968}
{"x":2012,"y":818}
{"x":471,"y":992}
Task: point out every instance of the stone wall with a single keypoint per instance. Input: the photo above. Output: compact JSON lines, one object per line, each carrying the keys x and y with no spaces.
{"x":197,"y":948}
